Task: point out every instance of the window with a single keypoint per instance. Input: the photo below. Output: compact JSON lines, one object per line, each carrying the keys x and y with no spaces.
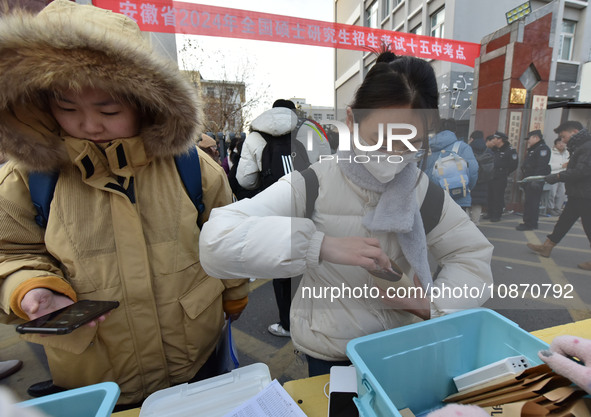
{"x":385,"y":8}
{"x":210,"y":91}
{"x":437,"y":20}
{"x":567,"y":40}
{"x":330,"y":116}
{"x":371,"y":16}
{"x":317,"y":116}
{"x":418,"y":30}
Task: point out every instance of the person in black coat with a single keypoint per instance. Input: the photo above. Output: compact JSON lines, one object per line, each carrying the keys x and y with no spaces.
{"x":577,"y":181}
{"x":505,"y":163}
{"x":480,"y":190}
{"x":537,"y":162}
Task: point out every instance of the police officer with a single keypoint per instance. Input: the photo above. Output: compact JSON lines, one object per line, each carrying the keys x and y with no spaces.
{"x":505,"y":163}
{"x":537,"y":162}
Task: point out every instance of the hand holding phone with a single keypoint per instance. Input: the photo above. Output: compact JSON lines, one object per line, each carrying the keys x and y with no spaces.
{"x":67,"y":319}
{"x":41,"y":301}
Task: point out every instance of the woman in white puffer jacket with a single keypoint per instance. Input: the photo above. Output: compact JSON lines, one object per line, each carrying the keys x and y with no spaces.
{"x":366,"y":218}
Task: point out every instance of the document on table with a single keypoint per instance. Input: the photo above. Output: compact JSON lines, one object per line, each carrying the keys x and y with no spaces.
{"x":273,"y":401}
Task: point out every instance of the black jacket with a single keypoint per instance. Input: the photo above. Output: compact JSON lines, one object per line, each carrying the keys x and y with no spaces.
{"x":537,"y":160}
{"x":505,"y":161}
{"x":577,"y":176}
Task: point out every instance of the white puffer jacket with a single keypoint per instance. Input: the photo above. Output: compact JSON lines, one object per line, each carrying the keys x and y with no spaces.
{"x":269,"y":237}
{"x":276,"y":122}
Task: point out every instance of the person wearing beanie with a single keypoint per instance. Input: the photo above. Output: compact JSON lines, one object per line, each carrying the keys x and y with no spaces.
{"x":210,"y":147}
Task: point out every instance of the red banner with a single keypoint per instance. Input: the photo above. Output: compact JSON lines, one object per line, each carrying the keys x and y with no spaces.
{"x":195,"y":19}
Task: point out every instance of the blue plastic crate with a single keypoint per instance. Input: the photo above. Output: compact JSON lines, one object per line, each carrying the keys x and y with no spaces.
{"x":413,"y":366}
{"x":96,"y":400}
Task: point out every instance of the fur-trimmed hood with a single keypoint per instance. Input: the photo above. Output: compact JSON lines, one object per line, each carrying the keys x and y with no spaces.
{"x":68,"y":45}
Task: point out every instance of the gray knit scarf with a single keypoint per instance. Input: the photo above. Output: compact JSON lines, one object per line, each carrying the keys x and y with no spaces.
{"x":397,"y":211}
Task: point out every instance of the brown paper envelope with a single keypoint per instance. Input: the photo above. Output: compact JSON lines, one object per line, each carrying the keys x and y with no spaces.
{"x":527,"y":376}
{"x":564,"y":394}
{"x":405,"y":412}
{"x":536,"y":384}
{"x":580,"y":408}
{"x":518,"y":409}
{"x":563,"y":401}
{"x":528,"y":392}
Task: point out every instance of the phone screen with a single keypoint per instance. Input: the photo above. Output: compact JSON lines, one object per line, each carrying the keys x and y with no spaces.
{"x":341,"y":405}
{"x":68,"y":318}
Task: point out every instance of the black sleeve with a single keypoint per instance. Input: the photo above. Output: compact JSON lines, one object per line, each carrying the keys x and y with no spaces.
{"x":581,"y":166}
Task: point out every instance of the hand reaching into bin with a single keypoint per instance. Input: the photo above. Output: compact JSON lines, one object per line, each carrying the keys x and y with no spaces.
{"x":560,"y":358}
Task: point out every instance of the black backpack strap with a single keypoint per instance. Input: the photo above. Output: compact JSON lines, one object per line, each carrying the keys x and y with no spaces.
{"x":432,"y":206}
{"x":312,"y":186}
{"x":41,"y":188}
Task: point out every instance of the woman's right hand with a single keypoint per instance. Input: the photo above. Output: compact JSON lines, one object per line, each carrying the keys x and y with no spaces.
{"x":358,"y":251}
{"x":41,"y":301}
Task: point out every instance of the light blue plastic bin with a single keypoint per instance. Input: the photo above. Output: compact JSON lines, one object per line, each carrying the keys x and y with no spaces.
{"x":413,"y":366}
{"x":96,"y":400}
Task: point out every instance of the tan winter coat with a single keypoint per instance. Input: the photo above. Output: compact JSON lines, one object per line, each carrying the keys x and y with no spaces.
{"x":121,"y":226}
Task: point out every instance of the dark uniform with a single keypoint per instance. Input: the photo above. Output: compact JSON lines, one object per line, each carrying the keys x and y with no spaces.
{"x":536,"y":162}
{"x":505,"y":163}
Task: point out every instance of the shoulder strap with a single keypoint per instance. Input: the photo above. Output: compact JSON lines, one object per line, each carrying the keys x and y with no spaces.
{"x":42,"y":185}
{"x":456,"y":147}
{"x":41,"y":188}
{"x":189,"y":170}
{"x":312,"y":186}
{"x":431,"y":208}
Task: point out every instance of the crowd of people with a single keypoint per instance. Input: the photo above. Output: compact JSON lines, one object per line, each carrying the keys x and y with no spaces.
{"x":98,"y":112}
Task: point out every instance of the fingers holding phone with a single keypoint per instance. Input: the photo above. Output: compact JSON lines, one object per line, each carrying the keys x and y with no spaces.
{"x":69,"y":318}
{"x":41,"y":301}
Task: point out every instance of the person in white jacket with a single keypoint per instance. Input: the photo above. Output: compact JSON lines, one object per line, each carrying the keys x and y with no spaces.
{"x":365,"y":220}
{"x":277,"y":121}
{"x":558,"y":162}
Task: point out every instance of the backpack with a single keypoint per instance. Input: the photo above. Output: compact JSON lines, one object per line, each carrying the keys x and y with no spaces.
{"x":486,"y":166}
{"x":431,"y":208}
{"x":42,"y":185}
{"x":451,"y":172}
{"x":281,"y":156}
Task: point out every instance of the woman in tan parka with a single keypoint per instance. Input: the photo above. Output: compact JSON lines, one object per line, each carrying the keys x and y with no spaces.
{"x":121,"y":225}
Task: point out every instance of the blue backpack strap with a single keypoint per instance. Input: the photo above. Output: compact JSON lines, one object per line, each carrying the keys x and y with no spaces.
{"x":190,"y":171}
{"x":41,"y":188}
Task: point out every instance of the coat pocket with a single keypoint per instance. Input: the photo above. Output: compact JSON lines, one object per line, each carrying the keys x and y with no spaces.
{"x":204,"y":316}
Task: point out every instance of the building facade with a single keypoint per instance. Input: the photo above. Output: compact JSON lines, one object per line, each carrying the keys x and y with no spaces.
{"x":465,"y":20}
{"x":224,"y":103}
{"x":322,"y":114}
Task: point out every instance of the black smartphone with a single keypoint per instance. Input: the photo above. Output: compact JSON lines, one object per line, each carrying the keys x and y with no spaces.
{"x":69,"y":318}
{"x":340,"y":404}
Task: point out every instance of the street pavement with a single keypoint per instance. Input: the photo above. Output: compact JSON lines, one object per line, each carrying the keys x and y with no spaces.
{"x":532,"y":291}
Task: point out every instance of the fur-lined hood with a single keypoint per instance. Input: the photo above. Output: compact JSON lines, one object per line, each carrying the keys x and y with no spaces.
{"x":68,"y":45}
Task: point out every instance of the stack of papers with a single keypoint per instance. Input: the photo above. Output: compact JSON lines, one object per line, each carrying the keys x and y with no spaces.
{"x":273,"y":401}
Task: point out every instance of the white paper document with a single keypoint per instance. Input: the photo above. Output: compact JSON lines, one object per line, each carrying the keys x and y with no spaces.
{"x":273,"y":401}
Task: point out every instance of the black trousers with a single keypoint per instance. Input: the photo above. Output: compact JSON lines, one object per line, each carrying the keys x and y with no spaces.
{"x":282,"y":288}
{"x":574,"y":208}
{"x":496,"y":197}
{"x":531,"y":206}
